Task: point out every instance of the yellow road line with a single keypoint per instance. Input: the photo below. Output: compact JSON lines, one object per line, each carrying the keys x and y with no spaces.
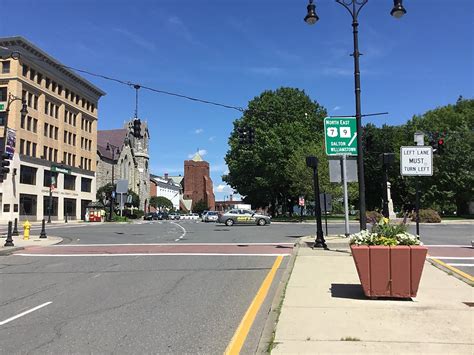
{"x":242,"y":331}
{"x":453,"y":269}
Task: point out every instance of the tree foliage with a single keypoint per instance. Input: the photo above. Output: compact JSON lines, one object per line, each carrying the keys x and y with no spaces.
{"x":451,"y":186}
{"x":285,"y":121}
{"x":200,"y":206}
{"x":160,"y":202}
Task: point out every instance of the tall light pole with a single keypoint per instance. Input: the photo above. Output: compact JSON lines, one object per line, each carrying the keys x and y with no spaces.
{"x":354,"y":7}
{"x":114,"y":149}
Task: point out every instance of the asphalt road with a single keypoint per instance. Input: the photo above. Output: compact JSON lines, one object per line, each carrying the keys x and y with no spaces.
{"x":188,"y":294}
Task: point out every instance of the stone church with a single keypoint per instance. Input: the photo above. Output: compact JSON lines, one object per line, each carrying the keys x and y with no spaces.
{"x":129,"y":157}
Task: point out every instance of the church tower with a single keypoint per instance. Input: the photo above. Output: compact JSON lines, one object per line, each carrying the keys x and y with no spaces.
{"x":197,"y":182}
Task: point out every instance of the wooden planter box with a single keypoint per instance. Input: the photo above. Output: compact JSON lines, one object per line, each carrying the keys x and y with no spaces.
{"x":389,"y":271}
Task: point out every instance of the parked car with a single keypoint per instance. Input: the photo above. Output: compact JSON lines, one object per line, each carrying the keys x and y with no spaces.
{"x":163,"y":215}
{"x":203,"y":215}
{"x":174,"y":216}
{"x":240,"y":216}
{"x":210,"y":216}
{"x":151,"y":216}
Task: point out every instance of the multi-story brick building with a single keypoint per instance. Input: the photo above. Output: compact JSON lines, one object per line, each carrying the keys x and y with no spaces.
{"x":197,"y":182}
{"x":55,"y":140}
{"x":129,"y":159}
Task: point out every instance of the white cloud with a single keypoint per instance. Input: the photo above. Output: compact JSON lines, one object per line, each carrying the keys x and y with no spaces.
{"x":138,"y":40}
{"x":198,"y":131}
{"x":202,"y":153}
{"x":336,"y":108}
{"x":211,"y":139}
{"x":224,"y":188}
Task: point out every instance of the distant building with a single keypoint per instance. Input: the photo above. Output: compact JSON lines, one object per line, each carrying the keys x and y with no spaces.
{"x":197,"y":183}
{"x":129,"y":157}
{"x":166,"y":187}
{"x":55,"y":141}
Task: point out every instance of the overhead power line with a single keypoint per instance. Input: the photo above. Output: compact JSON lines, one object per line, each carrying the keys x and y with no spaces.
{"x":17,"y":55}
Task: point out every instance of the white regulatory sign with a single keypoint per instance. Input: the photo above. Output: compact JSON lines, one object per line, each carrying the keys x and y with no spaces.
{"x":416,"y":161}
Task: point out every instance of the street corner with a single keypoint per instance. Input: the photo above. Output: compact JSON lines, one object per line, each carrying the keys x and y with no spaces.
{"x":19,"y":243}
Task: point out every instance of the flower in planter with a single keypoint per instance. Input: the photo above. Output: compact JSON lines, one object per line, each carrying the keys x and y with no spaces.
{"x":385,"y":233}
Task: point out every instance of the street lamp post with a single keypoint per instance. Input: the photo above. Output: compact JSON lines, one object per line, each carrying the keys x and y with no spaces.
{"x":354,"y":7}
{"x":23,"y":111}
{"x":114,"y":149}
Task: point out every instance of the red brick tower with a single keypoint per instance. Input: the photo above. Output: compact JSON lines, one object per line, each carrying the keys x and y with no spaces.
{"x":197,"y":182}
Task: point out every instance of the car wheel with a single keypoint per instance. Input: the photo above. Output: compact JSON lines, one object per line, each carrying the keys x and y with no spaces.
{"x":229,"y":222}
{"x":261,"y":222}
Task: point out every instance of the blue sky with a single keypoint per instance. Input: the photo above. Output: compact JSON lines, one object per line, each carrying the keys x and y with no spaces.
{"x":230,"y":51}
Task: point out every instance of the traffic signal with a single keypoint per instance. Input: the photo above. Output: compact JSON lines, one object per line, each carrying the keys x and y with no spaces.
{"x":440,"y":146}
{"x":251,"y":135}
{"x":242,"y":133}
{"x":137,"y":128}
{"x":4,"y":165}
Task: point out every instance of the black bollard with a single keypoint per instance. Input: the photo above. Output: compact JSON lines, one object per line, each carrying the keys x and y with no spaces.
{"x":15,"y":228}
{"x":9,"y":241}
{"x":65,"y":219}
{"x":43,"y":230}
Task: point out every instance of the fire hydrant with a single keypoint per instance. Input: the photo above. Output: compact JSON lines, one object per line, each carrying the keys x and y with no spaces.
{"x":26,"y":230}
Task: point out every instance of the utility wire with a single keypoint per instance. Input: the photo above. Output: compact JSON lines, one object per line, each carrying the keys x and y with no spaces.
{"x":16,"y":55}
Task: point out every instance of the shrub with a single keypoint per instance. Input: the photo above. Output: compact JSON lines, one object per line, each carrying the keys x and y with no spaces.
{"x":117,"y":218}
{"x":385,"y":233}
{"x":373,"y":216}
{"x":427,"y":216}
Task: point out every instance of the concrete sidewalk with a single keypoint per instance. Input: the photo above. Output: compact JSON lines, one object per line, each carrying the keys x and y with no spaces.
{"x":20,"y":243}
{"x":325,"y":311}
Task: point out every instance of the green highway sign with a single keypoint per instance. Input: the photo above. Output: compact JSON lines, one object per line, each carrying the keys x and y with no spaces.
{"x":340,"y":135}
{"x":2,"y":106}
{"x":60,"y":169}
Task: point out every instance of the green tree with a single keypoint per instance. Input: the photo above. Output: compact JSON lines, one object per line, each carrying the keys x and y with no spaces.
{"x":104,"y":192}
{"x":284,"y":120}
{"x":135,"y":199}
{"x":160,"y":202}
{"x":200,"y":206}
{"x":451,"y":186}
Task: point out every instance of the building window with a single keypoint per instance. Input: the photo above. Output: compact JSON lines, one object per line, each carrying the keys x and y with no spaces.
{"x":39,"y":78}
{"x":54,"y":206}
{"x":47,"y":178}
{"x":28,"y":205}
{"x":69,"y":182}
{"x":3,"y":94}
{"x":70,"y":207}
{"x":27,"y":175}
{"x":56,"y":130}
{"x":22,"y":121}
{"x":6,"y":67}
{"x":25,"y":70}
{"x":32,"y":74}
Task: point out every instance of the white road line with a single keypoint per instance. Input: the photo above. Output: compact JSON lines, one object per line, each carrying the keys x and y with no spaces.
{"x":164,"y":244}
{"x":182,"y":235}
{"x":24,"y":313}
{"x":451,"y":257}
{"x":455,"y":264}
{"x":154,"y":254}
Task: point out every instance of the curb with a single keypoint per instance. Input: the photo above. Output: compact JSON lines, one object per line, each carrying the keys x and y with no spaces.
{"x":268,"y":332}
{"x":10,"y":250}
{"x":451,"y":269}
